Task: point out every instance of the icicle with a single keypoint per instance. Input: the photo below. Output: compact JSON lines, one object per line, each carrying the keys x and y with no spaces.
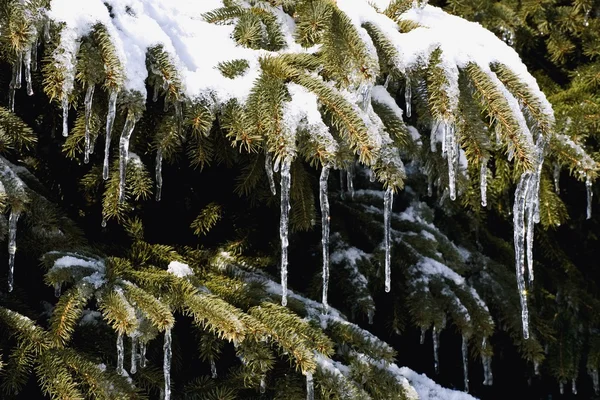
{"x":557,"y":178}
{"x":158,"y":170}
{"x":387,"y":222}
{"x":433,"y":136}
{"x":372,"y":176}
{"x":124,"y":153}
{"x":110,"y":119}
{"x":486,"y":361}
{"x":269,"y":170}
{"x":310,"y":389}
{"x":350,"y":180}
{"x":12,"y":246}
{"x":17,"y":70}
{"x":561,"y":385}
{"x":167,"y":363}
{"x":283,"y":225}
{"x":465,"y":359}
{"x":365,"y":93}
{"x":371,"y":315}
{"x":263,"y":384}
{"x":34,"y":57}
{"x":57,"y":289}
{"x":595,"y":380}
{"x":429,"y":187}
{"x":519,"y":238}
{"x":155,"y":94}
{"x":65,"y":112}
{"x":590,"y":194}
{"x":213,"y":369}
{"x":574,"y":386}
{"x":143,"y":354}
{"x":27,"y":62}
{"x":536,"y":367}
{"x":89,"y":96}
{"x":387,"y":81}
{"x":342,"y":189}
{"x":436,"y":347}
{"x":134,"y":355}
{"x":483,"y":182}
{"x":324,"y":200}
{"x":11,"y":98}
{"x":408,"y":96}
{"x":451,"y":151}
{"x":120,"y":353}
{"x":103,"y":224}
{"x":422,"y":340}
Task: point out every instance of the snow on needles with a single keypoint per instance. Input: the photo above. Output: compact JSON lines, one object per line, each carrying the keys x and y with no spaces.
{"x":179,"y":269}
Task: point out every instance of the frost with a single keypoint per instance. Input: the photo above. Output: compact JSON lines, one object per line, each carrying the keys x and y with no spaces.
{"x":179,"y":269}
{"x":324,"y":201}
{"x":283,"y":226}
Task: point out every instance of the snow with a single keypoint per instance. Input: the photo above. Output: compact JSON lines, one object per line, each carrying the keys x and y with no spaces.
{"x":179,"y":269}
{"x":427,"y":388}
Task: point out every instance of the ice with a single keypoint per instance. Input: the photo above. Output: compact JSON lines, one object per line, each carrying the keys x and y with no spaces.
{"x":120,"y":353}
{"x":422,"y":339}
{"x":483,"y":182}
{"x":213,"y":369}
{"x":27,"y":62}
{"x":57,"y":289}
{"x":556,"y":176}
{"x":536,"y":367}
{"x":11,"y":98}
{"x":269,"y":171}
{"x":283,"y":225}
{"x":263,"y":384}
{"x":17,"y":68}
{"x":110,"y":120}
{"x":143,"y":359}
{"x":310,"y":389}
{"x":124,"y":153}
{"x":342,"y":189}
{"x":34,"y":54}
{"x":595,"y":380}
{"x":561,"y":386}
{"x":324,"y":201}
{"x":590,"y":194}
{"x":486,"y":361}
{"x":158,"y":171}
{"x":408,"y":97}
{"x":436,"y":348}
{"x":89,"y":96}
{"x":574,"y":386}
{"x":387,"y":222}
{"x":134,"y":355}
{"x":179,"y":269}
{"x":12,"y":246}
{"x":167,"y":363}
{"x":371,"y":315}
{"x":450,"y":150}
{"x":350,"y":180}
{"x":65,"y":114}
{"x":465,"y":360}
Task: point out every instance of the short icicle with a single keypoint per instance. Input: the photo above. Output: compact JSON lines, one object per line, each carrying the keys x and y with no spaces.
{"x":158,"y":171}
{"x":167,"y":363}
{"x":574,"y":386}
{"x":120,"y":353}
{"x":561,"y":386}
{"x":324,"y":200}
{"x":595,"y":380}
{"x":284,"y":225}
{"x":213,"y":369}
{"x":350,"y":180}
{"x":422,"y":339}
{"x":483,"y":182}
{"x":12,"y":246}
{"x":134,"y":354}
{"x":465,"y":360}
{"x":486,"y":361}
{"x":436,"y":348}
{"x":590,"y":194}
{"x":89,"y":96}
{"x":263,"y":384}
{"x":57,"y":289}
{"x":27,"y":62}
{"x":143,"y":354}
{"x":65,"y":112}
{"x":387,"y":222}
{"x":124,"y":153}
{"x":408,"y":97}
{"x":310,"y":387}
{"x":556,"y":176}
{"x":110,"y":120}
{"x":269,"y":171}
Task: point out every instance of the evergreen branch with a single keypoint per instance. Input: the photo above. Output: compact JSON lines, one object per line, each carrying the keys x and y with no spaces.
{"x":157,"y":312}
{"x":66,"y":314}
{"x":207,"y":219}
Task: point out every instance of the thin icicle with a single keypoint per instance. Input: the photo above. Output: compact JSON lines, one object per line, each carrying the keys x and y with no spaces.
{"x":12,"y":246}
{"x":436,"y":347}
{"x":110,"y":119}
{"x":57,"y":289}
{"x":465,"y":360}
{"x":574,"y":386}
{"x":483,"y":182}
{"x":167,"y":363}
{"x":155,"y":93}
{"x":34,"y":55}
{"x":269,"y":171}
{"x":387,"y":222}
{"x":451,"y":150}
{"x":17,"y":70}
{"x":263,"y":384}
{"x":590,"y":194}
{"x":11,"y":98}
{"x":134,"y":355}
{"x":89,"y":96}
{"x":350,"y":180}
{"x":429,"y":187}
{"x":324,"y":200}
{"x":284,"y":225}
{"x":556,"y":178}
{"x":561,"y":386}
{"x":595,"y":380}
{"x":370,"y":315}
{"x":120,"y":353}
{"x":387,"y":81}
{"x":143,"y":354}
{"x":408,"y":97}
{"x":158,"y":171}
{"x":433,"y":136}
{"x":342,"y":189}
{"x":536,"y":367}
{"x":486,"y":361}
{"x":365,"y":93}
{"x":65,"y":112}
{"x":124,"y":153}
{"x":213,"y":369}
{"x":310,"y":388}
{"x":27,"y":62}
{"x":422,"y":339}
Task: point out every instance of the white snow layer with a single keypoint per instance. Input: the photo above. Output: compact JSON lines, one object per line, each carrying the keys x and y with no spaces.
{"x":179,"y":269}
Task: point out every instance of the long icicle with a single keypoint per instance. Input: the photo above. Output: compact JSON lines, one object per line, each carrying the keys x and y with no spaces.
{"x":310,"y":387}
{"x":269,"y":171}
{"x":408,"y":97}
{"x":12,"y":87}
{"x":65,"y":112}
{"x":12,"y":246}
{"x":18,"y":68}
{"x":324,"y":200}
{"x":483,"y":182}
{"x":486,"y":361}
{"x":158,"y":171}
{"x":436,"y":348}
{"x":124,"y":153}
{"x":167,"y":363}
{"x":110,"y":120}
{"x":387,"y":222}
{"x":89,"y":96}
{"x":284,"y":225}
{"x":465,"y":360}
{"x":134,"y":355}
{"x":27,"y":62}
{"x":120,"y":353}
{"x":589,"y":194}
{"x":520,"y":200}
